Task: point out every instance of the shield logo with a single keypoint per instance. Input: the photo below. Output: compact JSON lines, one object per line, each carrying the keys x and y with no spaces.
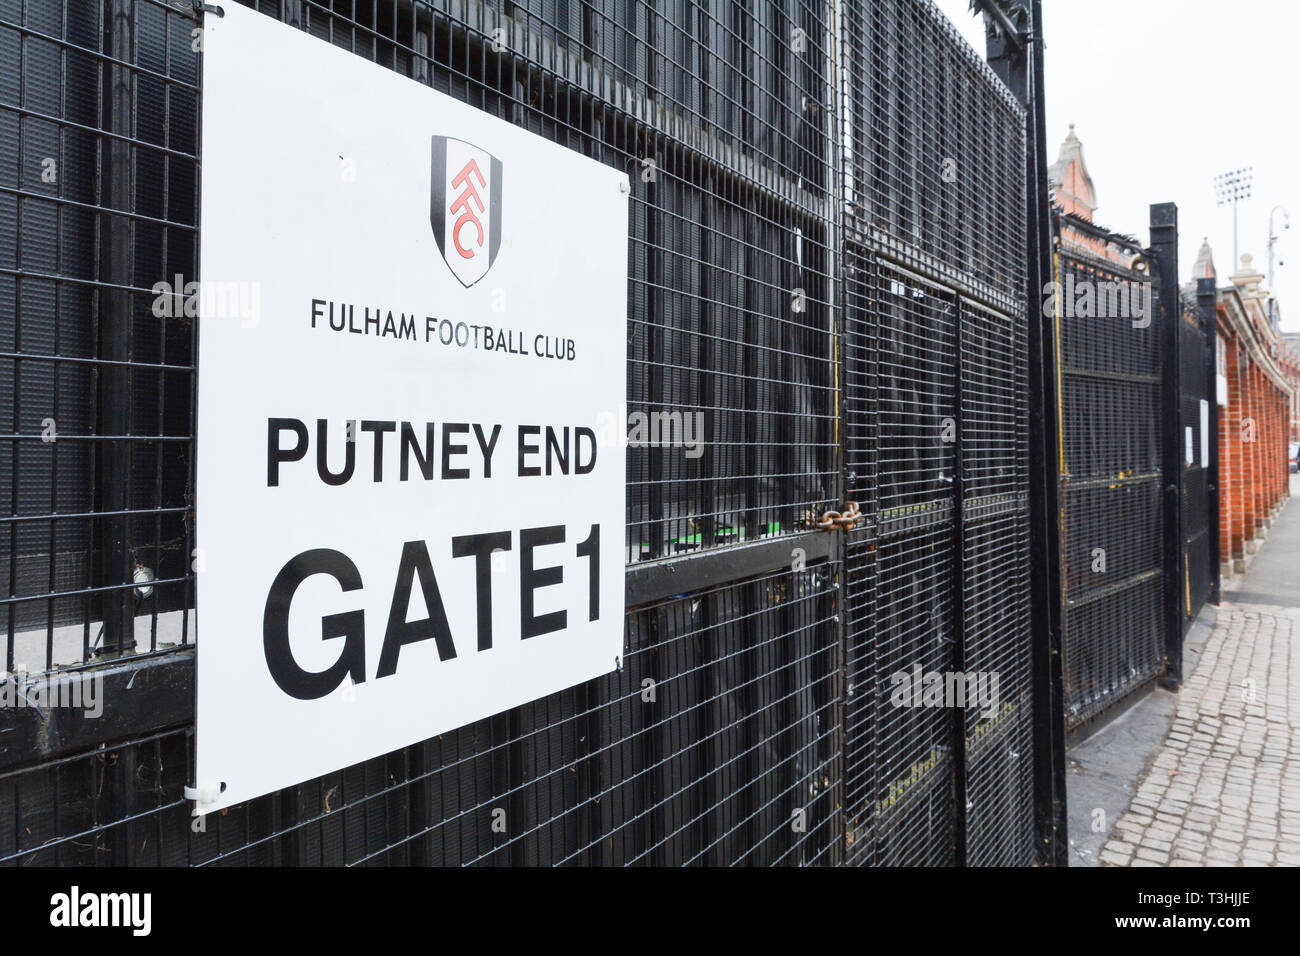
{"x":465,"y":207}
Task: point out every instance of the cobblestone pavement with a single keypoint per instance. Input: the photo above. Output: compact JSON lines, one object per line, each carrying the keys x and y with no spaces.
{"x":1224,"y":790}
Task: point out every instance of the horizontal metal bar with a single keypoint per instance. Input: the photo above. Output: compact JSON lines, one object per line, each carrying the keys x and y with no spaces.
{"x":1074,"y":255}
{"x":651,"y":581}
{"x":91,"y":515}
{"x":1111,"y":589}
{"x":24,"y":113}
{"x":27,"y":194}
{"x":58,"y":437}
{"x":139,"y":697}
{"x":1069,"y":484}
{"x":977,"y":511}
{"x":1071,"y":371}
{"x":102,"y":284}
{"x":922,"y":265}
{"x":81,"y":592}
{"x":79,"y":360}
{"x":1090,"y":228}
{"x":919,"y":518}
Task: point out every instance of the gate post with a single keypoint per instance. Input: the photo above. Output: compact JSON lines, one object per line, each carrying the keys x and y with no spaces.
{"x":1014,"y":33}
{"x":1164,"y":248}
{"x":1207,"y":304}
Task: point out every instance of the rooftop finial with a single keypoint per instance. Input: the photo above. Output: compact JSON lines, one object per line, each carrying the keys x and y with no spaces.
{"x":1204,"y":267}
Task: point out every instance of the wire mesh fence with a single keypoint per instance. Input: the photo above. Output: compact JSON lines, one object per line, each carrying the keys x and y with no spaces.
{"x":936,"y":416}
{"x":97,"y":390}
{"x":1111,"y":364}
{"x":836,"y":307}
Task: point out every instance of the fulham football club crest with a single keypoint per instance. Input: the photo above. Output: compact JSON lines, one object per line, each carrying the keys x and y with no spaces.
{"x":465,"y":210}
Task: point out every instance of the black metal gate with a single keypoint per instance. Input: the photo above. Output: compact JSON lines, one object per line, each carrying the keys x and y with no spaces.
{"x":1137,"y":473}
{"x":936,"y":359}
{"x":1111,"y":472}
{"x":827,"y":259}
{"x":1200,"y":431}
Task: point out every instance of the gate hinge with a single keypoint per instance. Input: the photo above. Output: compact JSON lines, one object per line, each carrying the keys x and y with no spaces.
{"x":846,"y":519}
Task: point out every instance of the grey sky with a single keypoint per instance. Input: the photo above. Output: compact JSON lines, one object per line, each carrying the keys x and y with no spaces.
{"x":1164,"y":95}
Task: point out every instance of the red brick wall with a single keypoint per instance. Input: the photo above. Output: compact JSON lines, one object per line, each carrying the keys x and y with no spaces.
{"x":1253,"y":474}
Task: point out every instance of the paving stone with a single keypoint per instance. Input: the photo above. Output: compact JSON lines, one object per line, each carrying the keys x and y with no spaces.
{"x":1224,"y":789}
{"x":1155,"y":856}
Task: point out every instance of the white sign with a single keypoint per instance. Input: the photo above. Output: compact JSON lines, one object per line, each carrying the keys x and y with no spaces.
{"x":1205,"y":434}
{"x":412,"y":316}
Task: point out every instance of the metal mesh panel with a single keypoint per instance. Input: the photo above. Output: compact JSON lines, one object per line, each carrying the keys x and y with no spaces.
{"x":915,"y":605}
{"x":936,"y":419}
{"x":914,"y":623}
{"x":933,"y":153}
{"x":1112,"y":533}
{"x":996,"y":623}
{"x":861,"y":682}
{"x":95,"y":389}
{"x":999,"y":739}
{"x":901,"y":385}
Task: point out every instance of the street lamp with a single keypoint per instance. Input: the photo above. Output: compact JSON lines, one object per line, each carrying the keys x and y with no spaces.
{"x":1272,"y":241}
{"x":1231,"y":188}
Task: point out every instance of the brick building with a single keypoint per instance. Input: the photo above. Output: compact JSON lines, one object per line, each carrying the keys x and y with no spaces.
{"x":1071,"y":190}
{"x":1256,"y":392}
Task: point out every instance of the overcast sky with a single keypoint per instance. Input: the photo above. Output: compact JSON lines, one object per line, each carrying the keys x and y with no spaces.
{"x":1166,"y":94}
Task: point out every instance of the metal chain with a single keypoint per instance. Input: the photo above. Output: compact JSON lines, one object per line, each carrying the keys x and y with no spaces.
{"x":836,"y":519}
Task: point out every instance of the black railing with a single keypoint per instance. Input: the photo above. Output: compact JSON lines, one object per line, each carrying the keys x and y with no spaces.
{"x":936,"y":365}
{"x":1138,"y":422}
{"x":1111,"y":366}
{"x":839,"y":292}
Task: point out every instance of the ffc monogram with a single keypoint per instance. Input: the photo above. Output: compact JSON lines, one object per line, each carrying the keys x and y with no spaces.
{"x":465,"y":207}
